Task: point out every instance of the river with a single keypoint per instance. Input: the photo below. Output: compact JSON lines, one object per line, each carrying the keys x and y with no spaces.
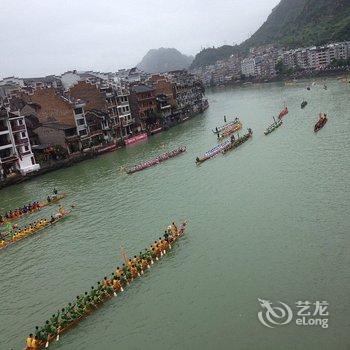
{"x":269,"y":220}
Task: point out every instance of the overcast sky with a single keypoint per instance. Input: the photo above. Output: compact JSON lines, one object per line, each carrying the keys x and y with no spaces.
{"x":41,"y":37}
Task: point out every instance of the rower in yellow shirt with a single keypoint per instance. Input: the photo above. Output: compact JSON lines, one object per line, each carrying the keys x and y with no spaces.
{"x":35,"y":343}
{"x":29,"y":341}
{"x":61,"y":210}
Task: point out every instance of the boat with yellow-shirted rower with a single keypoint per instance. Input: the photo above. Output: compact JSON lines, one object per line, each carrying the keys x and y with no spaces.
{"x":19,"y":213}
{"x":173,"y":236}
{"x":41,"y":225}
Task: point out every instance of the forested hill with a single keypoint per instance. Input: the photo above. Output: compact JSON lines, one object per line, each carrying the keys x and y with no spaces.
{"x":292,"y":23}
{"x":305,"y":22}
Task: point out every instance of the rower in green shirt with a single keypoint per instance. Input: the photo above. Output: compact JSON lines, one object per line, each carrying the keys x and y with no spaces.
{"x":123,"y":280}
{"x":54,"y":320}
{"x":48,"y":329}
{"x":38,"y":333}
{"x":64,"y":319}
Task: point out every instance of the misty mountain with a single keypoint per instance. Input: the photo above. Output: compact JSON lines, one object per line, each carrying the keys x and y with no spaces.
{"x":164,"y":60}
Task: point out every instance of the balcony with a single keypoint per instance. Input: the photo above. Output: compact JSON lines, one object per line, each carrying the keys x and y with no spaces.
{"x":123,"y":113}
{"x":21,"y":141}
{"x":16,"y":128}
{"x":4,"y":131}
{"x":27,"y":153}
{"x":4,"y":144}
{"x":128,"y":122}
{"x":3,"y":127}
{"x":95,"y":133}
{"x":8,"y":158}
{"x":109,"y":94}
{"x":123,"y":103}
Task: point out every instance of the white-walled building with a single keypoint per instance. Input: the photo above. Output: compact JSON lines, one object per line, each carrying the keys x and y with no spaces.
{"x":124,"y":111}
{"x":248,"y":67}
{"x":15,"y":149}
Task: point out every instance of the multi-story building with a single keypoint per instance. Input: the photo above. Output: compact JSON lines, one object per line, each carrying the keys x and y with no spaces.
{"x":301,"y":58}
{"x":56,"y":111}
{"x":323,"y":57}
{"x":143,"y":103}
{"x":341,"y":50}
{"x":12,"y":81}
{"x":261,"y":62}
{"x":127,"y":121}
{"x":111,"y":106}
{"x":15,"y":150}
{"x":188,"y":93}
{"x":41,"y":82}
{"x":248,"y":67}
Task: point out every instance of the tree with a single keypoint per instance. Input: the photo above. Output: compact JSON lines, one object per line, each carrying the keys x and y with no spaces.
{"x":280,"y":67}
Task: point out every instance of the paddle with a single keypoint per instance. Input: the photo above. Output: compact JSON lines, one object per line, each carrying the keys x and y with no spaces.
{"x":58,"y":333}
{"x":47,"y":341}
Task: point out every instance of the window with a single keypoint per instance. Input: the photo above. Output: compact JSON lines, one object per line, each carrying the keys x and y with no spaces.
{"x":82,"y":132}
{"x":26,"y":148}
{"x":23,"y":135}
{"x":33,"y":160}
{"x":20,"y":122}
{"x":78,"y":111}
{"x":80,"y":121}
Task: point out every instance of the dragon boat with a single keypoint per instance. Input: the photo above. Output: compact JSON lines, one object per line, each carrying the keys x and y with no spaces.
{"x":273,"y":126}
{"x":222,"y":128}
{"x":212,"y":153}
{"x":53,"y":199}
{"x":159,"y":159}
{"x":172,"y":238}
{"x":321,"y":123}
{"x":230,"y":130}
{"x":283,"y":113}
{"x":238,"y":142}
{"x":6,"y":243}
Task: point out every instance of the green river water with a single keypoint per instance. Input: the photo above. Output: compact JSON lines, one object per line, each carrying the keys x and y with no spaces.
{"x":269,"y":220}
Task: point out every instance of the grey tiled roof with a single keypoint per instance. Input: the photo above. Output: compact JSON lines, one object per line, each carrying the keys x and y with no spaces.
{"x":142,"y":88}
{"x":57,"y":126}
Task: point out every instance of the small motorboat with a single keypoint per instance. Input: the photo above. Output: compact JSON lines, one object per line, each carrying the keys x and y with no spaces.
{"x":303,"y":104}
{"x":321,"y":122}
{"x":283,"y":113}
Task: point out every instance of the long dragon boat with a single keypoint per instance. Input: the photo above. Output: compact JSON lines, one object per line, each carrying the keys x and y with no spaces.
{"x":321,"y":123}
{"x":283,"y":113}
{"x":236,"y":143}
{"x":222,"y":128}
{"x":6,"y":243}
{"x":159,"y":159}
{"x":212,"y":153}
{"x":112,"y":291}
{"x":230,"y":130}
{"x":20,"y":214}
{"x":273,"y":126}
